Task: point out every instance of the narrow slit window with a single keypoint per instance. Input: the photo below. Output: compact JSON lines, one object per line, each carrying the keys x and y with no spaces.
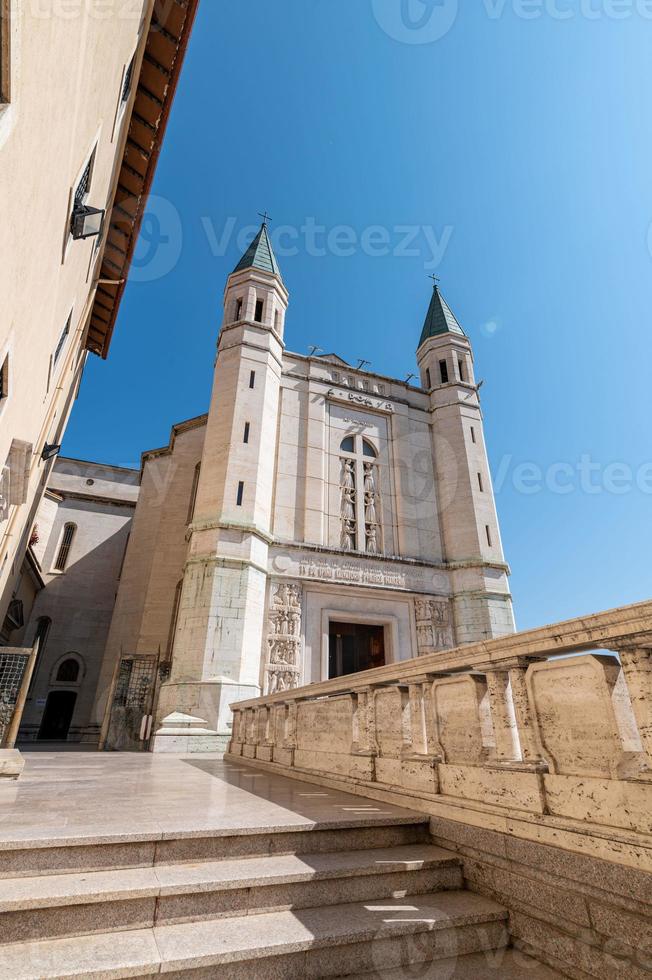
{"x":193,"y":493}
{"x":258,"y":315}
{"x":428,"y":379}
{"x":4,"y":378}
{"x":238,"y":311}
{"x":472,"y":434}
{"x":443,"y":370}
{"x":62,"y":341}
{"x":246,"y":432}
{"x":252,"y":379}
{"x":480,"y":483}
{"x":276,"y":319}
{"x":461,"y":369}
{"x":128,"y":81}
{"x":64,"y":547}
{"x":488,"y":532}
{"x":240,"y":494}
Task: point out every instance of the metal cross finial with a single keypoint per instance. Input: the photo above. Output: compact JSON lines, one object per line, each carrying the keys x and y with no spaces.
{"x":435,"y":280}
{"x":265,"y":216}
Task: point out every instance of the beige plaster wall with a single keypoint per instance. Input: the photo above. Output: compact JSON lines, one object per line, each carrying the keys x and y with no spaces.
{"x":67,"y":68}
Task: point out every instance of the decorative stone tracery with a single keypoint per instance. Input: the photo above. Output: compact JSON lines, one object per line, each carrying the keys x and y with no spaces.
{"x":434,"y":628}
{"x":360,"y":505}
{"x":283,"y":668}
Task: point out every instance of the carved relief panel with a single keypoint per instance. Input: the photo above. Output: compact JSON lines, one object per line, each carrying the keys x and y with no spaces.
{"x":434,"y":625}
{"x":283,"y":666}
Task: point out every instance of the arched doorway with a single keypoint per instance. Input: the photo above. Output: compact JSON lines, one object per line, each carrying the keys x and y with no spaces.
{"x":57,"y":716}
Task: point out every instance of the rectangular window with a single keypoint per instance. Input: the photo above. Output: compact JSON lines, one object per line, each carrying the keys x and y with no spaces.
{"x":488,"y":531}
{"x":428,"y":379}
{"x":480,"y":483}
{"x":443,"y":370}
{"x":472,"y":434}
{"x":461,"y":369}
{"x":276,"y":319}
{"x":258,"y":316}
{"x":252,"y":379}
{"x":62,"y":341}
{"x":246,"y":432}
{"x":238,"y":310}
{"x":240,"y":494}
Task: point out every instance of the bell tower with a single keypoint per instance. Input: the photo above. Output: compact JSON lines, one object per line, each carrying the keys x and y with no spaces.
{"x":219,"y":633}
{"x":468,"y":517}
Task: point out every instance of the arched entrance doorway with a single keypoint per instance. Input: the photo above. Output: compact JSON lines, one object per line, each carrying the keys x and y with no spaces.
{"x":57,"y":716}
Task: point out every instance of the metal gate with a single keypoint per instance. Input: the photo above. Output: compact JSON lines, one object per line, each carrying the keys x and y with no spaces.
{"x":130,"y":722}
{"x":16,"y":665}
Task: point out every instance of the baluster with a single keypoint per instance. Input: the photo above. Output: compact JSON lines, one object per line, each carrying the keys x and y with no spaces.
{"x":289,"y":740}
{"x":504,"y":724}
{"x":419,"y":770}
{"x":637,"y":667}
{"x":511,"y":715}
{"x":235,"y":745}
{"x":365,"y":743}
{"x":526,"y":730}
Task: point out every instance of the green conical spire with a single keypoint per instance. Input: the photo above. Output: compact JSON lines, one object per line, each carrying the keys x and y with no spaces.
{"x":440,"y":318}
{"x":260,"y":254}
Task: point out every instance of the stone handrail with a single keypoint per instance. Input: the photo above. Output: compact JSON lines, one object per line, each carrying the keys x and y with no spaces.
{"x":507,"y":724}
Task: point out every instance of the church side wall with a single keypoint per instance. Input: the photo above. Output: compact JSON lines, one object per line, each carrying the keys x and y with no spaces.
{"x":155,"y":558}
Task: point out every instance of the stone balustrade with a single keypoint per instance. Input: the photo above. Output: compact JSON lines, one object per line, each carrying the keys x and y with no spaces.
{"x":543,"y":725}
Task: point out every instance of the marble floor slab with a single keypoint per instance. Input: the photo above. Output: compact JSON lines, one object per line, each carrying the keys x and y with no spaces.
{"x":110,"y":797}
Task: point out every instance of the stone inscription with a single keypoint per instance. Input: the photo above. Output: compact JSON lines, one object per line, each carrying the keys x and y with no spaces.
{"x":352,"y":573}
{"x":365,"y":572}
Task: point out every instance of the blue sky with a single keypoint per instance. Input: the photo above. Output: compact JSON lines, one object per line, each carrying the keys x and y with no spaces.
{"x":521,"y":145}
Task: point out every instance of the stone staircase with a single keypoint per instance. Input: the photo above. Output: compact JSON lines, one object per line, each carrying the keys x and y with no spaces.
{"x":320,"y":902}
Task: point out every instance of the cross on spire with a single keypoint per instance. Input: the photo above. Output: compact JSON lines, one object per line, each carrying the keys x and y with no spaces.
{"x":435,"y":280}
{"x":265,"y":216}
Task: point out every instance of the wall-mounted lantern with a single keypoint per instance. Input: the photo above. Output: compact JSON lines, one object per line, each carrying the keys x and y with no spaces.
{"x":86,"y":222}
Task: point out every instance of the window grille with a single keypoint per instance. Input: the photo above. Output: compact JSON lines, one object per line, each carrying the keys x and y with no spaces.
{"x":12,"y":671}
{"x":83,"y":187}
{"x":64,"y":547}
{"x":128,"y":81}
{"x":62,"y":339}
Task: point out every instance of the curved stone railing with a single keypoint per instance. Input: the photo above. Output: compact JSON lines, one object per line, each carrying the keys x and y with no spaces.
{"x":498,"y":725}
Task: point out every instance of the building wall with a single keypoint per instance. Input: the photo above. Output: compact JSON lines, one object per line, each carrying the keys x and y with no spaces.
{"x":67,"y":64}
{"x":79,"y":601}
{"x":155,"y":556}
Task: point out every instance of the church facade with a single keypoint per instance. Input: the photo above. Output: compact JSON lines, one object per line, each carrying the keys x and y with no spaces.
{"x":319,"y":520}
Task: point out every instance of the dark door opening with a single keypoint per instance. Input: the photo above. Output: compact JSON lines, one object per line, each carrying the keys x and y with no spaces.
{"x":57,"y":716}
{"x":353,"y":647}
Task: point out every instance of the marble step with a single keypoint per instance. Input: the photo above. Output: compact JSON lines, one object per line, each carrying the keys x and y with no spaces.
{"x":50,"y":906}
{"x":63,"y":854}
{"x":307,"y":943}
